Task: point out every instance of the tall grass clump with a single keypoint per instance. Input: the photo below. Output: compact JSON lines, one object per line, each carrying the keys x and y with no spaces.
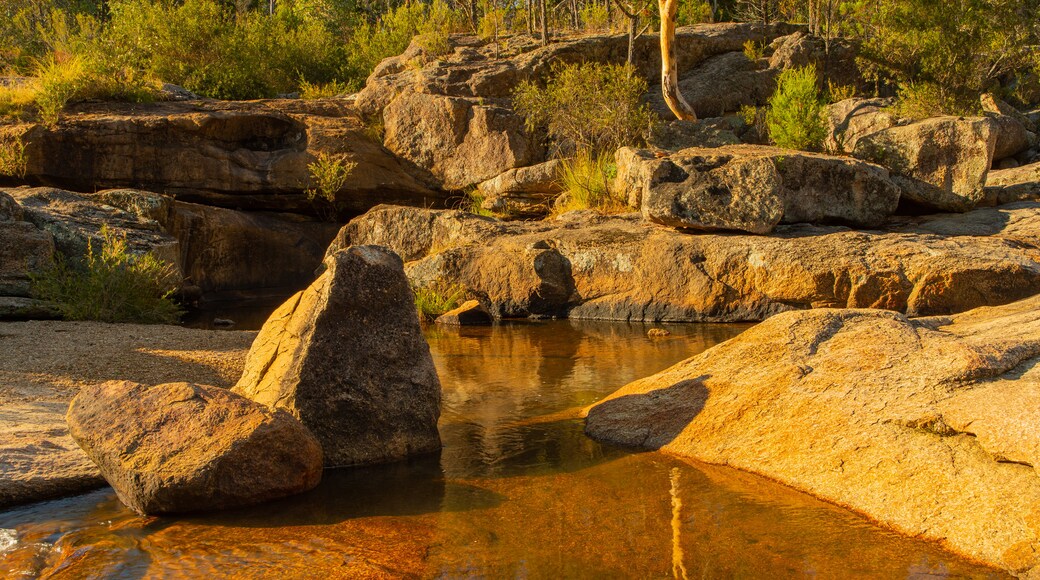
{"x":111,"y":284}
{"x":586,"y":180}
{"x":795,"y":117}
{"x":13,"y":160}
{"x":329,"y":173}
{"x":436,"y":299}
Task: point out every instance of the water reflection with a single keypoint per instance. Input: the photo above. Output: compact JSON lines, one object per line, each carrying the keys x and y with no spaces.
{"x":518,"y":491}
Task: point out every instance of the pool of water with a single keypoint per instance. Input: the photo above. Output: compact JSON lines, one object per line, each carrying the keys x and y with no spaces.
{"x":517,"y":492}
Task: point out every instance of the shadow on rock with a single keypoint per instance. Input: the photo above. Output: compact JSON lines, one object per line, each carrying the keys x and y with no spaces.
{"x":648,"y":420}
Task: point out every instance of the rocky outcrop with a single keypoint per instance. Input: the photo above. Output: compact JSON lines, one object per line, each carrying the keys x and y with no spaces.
{"x":928,"y":426}
{"x":25,"y":250}
{"x":348,"y":358}
{"x":225,"y":252}
{"x":470,"y":313}
{"x":754,"y":188}
{"x":619,"y":268}
{"x":1017,"y":184}
{"x":940,"y":163}
{"x":852,"y":119}
{"x":524,"y":192}
{"x":242,"y":155}
{"x":180,"y":447}
{"x":1015,"y":132}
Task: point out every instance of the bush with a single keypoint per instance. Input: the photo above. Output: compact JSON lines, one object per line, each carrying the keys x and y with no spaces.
{"x":922,"y":100}
{"x":586,"y":180}
{"x":111,"y":285}
{"x":588,"y":107}
{"x":795,"y":117}
{"x":434,"y":300}
{"x":12,"y":157}
{"x":329,"y":173}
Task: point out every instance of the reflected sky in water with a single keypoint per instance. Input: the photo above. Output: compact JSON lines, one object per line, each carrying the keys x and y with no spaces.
{"x":517,"y":492}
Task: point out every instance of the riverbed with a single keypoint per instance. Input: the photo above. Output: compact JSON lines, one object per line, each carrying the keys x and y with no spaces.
{"x":518,"y":491}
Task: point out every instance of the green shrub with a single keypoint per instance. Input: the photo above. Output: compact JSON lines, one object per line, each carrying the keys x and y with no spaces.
{"x":753,"y":50}
{"x":12,"y":157}
{"x":586,"y":180}
{"x":923,"y":100}
{"x":329,"y":173}
{"x":838,"y":93}
{"x":474,"y":203}
{"x":391,"y":34}
{"x":111,"y":285}
{"x":693,"y":12}
{"x":323,"y":91}
{"x":434,"y":300}
{"x":588,"y":107}
{"x":595,"y":17}
{"x":795,"y":117}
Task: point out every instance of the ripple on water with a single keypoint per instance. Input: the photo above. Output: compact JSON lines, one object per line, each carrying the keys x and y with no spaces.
{"x":8,"y":540}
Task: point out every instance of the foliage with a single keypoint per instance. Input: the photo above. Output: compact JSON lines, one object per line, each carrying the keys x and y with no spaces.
{"x":756,"y":118}
{"x":474,"y":203}
{"x":595,"y":17}
{"x":323,"y":91}
{"x":12,"y":157}
{"x":753,"y":50}
{"x":586,"y":180}
{"x":693,"y":12}
{"x":434,"y":300}
{"x":838,"y":93}
{"x":795,"y":117}
{"x":588,"y":107}
{"x":329,"y":173}
{"x":111,"y":285}
{"x":391,"y":34}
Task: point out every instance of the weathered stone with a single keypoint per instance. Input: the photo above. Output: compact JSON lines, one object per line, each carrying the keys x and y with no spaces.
{"x":25,"y":250}
{"x":991,"y":105}
{"x":228,"y":251}
{"x":620,"y":268}
{"x":470,"y":313}
{"x":347,"y":357}
{"x":245,"y":155}
{"x":462,"y":141}
{"x":1012,"y":137}
{"x":722,"y":84}
{"x":713,"y":132}
{"x":927,"y":426}
{"x":1017,"y":184}
{"x":76,"y":220}
{"x":754,"y":188}
{"x":852,"y":119}
{"x":523,"y":192}
{"x":180,"y":447}
{"x":940,"y":162}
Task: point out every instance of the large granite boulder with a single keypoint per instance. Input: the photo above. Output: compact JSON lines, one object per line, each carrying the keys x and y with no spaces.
{"x":852,"y":119}
{"x":754,"y":188}
{"x":347,"y":357}
{"x":940,"y":163}
{"x":524,"y":192}
{"x":242,"y":155}
{"x":180,"y":447}
{"x":582,"y":265}
{"x":929,"y":426}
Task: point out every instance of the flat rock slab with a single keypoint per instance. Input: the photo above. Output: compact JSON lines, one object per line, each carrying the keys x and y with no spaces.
{"x":582,"y":265}
{"x":929,"y":426}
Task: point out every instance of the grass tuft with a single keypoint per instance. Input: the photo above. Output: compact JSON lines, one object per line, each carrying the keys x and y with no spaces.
{"x":434,"y":300}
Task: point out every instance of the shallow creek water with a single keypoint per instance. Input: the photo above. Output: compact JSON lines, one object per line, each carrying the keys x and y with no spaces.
{"x":518,"y":492}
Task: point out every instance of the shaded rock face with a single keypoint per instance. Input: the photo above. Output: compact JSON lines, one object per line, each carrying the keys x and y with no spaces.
{"x":180,"y":447}
{"x":223,"y":251}
{"x":1010,"y":185}
{"x":620,"y":268}
{"x":852,"y":119}
{"x":940,"y":163}
{"x":347,"y":357}
{"x":524,"y":192}
{"x":25,"y":250}
{"x":754,"y":188}
{"x":244,"y":155}
{"x":928,"y":426}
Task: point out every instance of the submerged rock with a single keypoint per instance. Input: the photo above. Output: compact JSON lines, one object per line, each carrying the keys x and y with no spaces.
{"x":347,"y":357}
{"x":180,"y":447}
{"x":753,"y":188}
{"x":620,"y":268}
{"x":470,"y":313}
{"x":928,"y":426}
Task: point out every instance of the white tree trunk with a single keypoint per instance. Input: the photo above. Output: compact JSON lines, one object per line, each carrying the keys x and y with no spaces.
{"x":669,"y":72}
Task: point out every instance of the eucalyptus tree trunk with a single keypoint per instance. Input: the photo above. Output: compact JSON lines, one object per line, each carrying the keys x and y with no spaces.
{"x":545,"y":25}
{"x":669,"y":69}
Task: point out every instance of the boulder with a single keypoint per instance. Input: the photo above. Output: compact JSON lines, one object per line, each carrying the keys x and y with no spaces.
{"x":524,"y":192}
{"x":180,"y":447}
{"x":461,"y":141}
{"x":585,"y":266}
{"x":25,"y":250}
{"x":347,"y":357}
{"x":722,"y":84}
{"x":249,"y":155}
{"x":852,"y":119}
{"x":1016,"y":184}
{"x":753,"y":188}
{"x":930,"y":427}
{"x":711,"y":132}
{"x":75,"y":221}
{"x":940,"y":163}
{"x":470,"y":313}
